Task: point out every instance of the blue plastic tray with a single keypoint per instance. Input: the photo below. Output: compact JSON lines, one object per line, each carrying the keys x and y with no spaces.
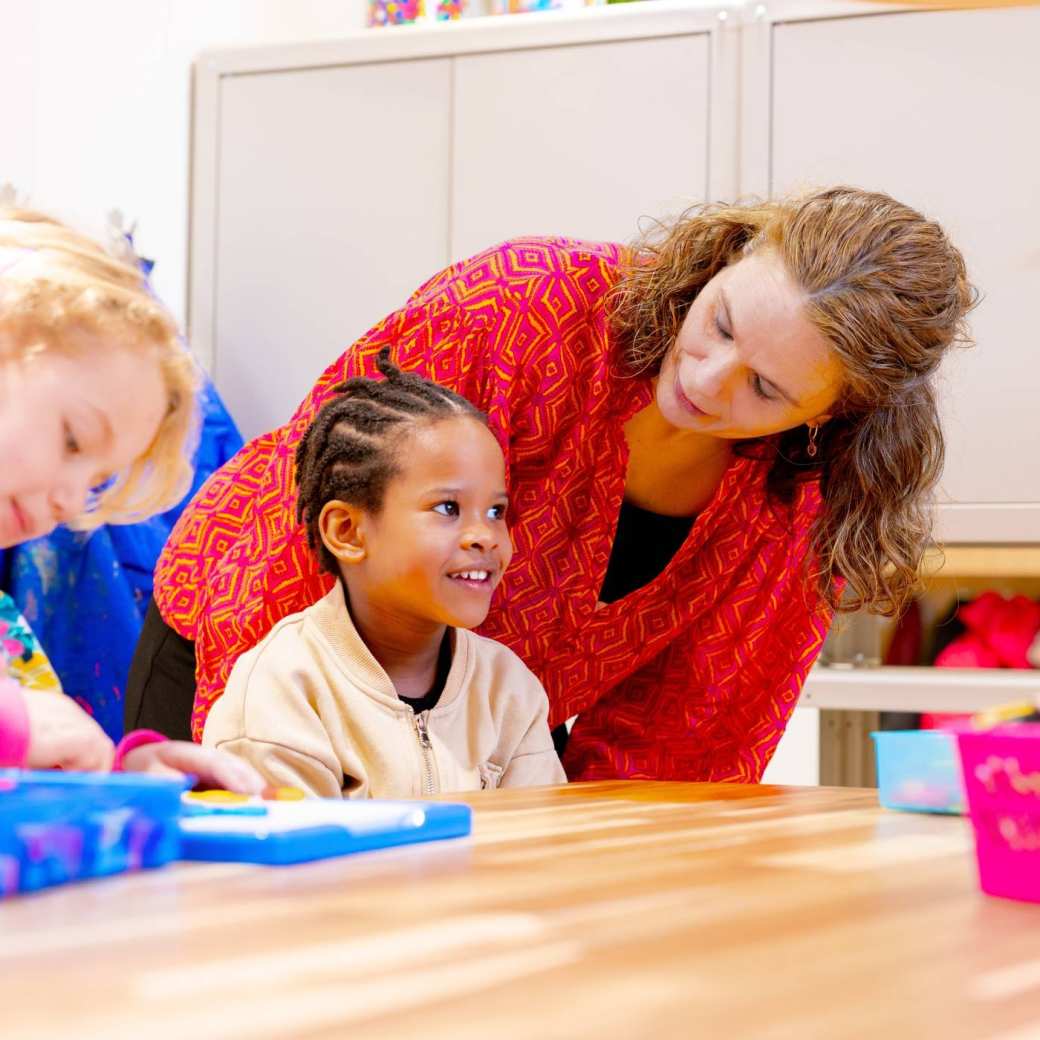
{"x":57,"y":826}
{"x":294,"y":832}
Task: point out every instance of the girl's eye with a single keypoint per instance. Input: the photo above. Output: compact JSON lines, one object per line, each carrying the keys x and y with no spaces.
{"x":497,"y":513}
{"x":447,"y":508}
{"x":760,"y":390}
{"x":722,"y":330}
{"x":71,"y":444}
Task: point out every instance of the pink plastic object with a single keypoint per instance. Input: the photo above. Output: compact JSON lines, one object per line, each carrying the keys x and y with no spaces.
{"x":1001,"y":769}
{"x":135,"y":739}
{"x":14,"y":724}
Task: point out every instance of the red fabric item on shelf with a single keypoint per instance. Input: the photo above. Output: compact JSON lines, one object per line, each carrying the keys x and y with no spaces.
{"x":942,"y":720}
{"x":999,"y":633}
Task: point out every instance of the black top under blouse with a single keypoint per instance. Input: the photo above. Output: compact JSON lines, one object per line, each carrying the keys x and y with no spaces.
{"x":644,"y":544}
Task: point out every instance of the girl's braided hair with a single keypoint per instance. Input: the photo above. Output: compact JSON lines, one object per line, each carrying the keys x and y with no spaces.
{"x":350,"y":451}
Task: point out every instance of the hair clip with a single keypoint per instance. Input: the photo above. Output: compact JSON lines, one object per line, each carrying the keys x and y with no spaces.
{"x":121,"y":243}
{"x":9,"y":198}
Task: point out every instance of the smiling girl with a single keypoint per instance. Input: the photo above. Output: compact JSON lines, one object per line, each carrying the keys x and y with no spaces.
{"x":379,"y":689}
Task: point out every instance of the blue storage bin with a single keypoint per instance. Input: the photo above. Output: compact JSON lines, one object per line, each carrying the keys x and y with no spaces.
{"x":57,"y":827}
{"x":919,"y":770}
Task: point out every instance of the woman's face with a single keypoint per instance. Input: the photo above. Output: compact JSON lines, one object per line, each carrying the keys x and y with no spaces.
{"x":69,"y":419}
{"x":747,"y":361}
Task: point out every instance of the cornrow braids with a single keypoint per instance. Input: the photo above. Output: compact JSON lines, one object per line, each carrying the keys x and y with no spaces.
{"x":349,"y":452}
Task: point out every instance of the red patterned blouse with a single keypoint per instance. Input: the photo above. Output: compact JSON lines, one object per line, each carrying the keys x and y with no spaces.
{"x":691,"y":677}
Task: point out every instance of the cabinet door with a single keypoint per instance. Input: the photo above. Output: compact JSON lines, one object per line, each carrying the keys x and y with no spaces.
{"x":333,"y":208}
{"x":578,"y":140}
{"x":939,"y":109}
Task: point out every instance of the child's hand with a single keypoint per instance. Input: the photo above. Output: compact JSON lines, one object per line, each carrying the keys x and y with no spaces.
{"x":213,"y":767}
{"x":63,"y":736}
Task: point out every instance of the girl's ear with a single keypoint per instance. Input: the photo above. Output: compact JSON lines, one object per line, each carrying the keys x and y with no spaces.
{"x":341,"y":531}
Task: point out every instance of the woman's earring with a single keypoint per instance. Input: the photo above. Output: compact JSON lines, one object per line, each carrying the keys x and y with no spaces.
{"x":812,"y":449}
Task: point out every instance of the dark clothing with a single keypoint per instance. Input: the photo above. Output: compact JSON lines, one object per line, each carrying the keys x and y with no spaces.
{"x":644,"y":545}
{"x":160,"y":691}
{"x":429,"y":700}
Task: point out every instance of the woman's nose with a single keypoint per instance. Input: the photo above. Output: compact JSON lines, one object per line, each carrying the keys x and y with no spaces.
{"x":716,"y":371}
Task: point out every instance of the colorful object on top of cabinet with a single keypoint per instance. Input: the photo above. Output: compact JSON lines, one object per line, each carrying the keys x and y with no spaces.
{"x":918,"y":771}
{"x":406,"y":12}
{"x":450,"y":10}
{"x":526,"y":6}
{"x":1002,"y":779}
{"x":394,"y":12}
{"x":523,"y":6}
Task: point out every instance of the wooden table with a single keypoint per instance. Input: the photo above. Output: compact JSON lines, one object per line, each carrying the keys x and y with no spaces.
{"x":622,"y":910}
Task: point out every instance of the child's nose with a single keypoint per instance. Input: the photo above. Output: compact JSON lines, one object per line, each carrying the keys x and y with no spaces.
{"x":69,"y":498}
{"x":478,"y":536}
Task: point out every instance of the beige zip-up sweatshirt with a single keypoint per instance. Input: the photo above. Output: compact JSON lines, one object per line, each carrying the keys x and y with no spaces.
{"x":310,"y":707}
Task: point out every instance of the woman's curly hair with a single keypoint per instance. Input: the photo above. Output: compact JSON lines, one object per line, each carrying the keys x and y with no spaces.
{"x":890,"y":293}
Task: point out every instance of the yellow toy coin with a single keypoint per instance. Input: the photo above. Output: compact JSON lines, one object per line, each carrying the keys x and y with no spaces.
{"x":218,"y":797}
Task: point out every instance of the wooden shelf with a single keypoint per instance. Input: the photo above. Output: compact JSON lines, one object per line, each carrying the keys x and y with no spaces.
{"x":983,"y":561}
{"x":916,"y":689}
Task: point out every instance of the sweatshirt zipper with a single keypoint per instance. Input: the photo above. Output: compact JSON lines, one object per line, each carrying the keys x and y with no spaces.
{"x":426,"y":750}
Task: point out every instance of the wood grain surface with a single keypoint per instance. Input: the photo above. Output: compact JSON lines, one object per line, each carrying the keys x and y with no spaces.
{"x":604,"y":910}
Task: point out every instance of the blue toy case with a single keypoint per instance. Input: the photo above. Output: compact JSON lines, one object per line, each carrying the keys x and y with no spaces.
{"x":297,"y":831}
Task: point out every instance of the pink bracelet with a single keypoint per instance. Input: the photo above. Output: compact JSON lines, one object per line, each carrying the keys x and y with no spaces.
{"x":138,"y":738}
{"x":14,"y":724}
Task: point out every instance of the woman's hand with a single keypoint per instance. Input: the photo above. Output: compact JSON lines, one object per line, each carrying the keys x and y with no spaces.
{"x":63,"y":736}
{"x":214,"y":768}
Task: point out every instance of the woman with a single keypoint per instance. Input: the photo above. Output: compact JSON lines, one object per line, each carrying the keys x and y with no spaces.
{"x":96,"y":392}
{"x":706,"y":436}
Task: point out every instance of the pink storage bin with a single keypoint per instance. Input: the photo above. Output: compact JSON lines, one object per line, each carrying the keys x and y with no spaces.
{"x":1001,"y":768}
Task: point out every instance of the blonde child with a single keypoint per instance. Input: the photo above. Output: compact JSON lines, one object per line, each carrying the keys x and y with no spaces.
{"x":96,"y":392}
{"x":379,"y":689}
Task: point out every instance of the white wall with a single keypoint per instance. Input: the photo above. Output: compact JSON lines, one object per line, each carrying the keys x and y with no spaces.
{"x":797,"y":757}
{"x":95,"y":103}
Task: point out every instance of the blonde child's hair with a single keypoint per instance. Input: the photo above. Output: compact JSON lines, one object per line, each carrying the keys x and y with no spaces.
{"x":56,"y":281}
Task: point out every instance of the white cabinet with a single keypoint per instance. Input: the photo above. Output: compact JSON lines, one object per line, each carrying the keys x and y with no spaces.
{"x":939,"y":109}
{"x":331,"y":179}
{"x":330,"y":214}
{"x":578,"y":141}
